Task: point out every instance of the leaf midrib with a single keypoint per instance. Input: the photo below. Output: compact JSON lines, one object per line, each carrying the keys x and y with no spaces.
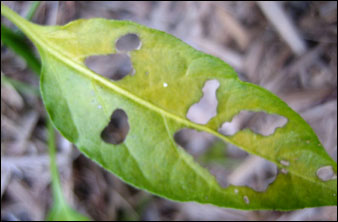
{"x":35,"y":37}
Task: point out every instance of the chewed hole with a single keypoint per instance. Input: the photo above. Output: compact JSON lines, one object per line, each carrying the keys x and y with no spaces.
{"x":128,"y":43}
{"x":206,"y":108}
{"x":194,"y":142}
{"x":229,"y":164}
{"x":259,"y":122}
{"x":326,"y":173}
{"x":113,"y":66}
{"x":117,"y":129}
{"x":255,"y":172}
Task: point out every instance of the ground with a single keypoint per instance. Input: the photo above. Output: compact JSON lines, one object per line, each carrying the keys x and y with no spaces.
{"x":297,"y":62}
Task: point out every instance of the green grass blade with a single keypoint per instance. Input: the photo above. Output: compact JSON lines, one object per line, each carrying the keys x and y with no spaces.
{"x":60,"y":211}
{"x":34,"y":6}
{"x":20,"y":46}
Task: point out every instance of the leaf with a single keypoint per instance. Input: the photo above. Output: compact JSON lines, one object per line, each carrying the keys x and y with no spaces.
{"x":169,"y":76}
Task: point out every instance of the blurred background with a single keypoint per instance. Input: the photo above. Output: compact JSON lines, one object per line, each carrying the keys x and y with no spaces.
{"x":289,"y":48}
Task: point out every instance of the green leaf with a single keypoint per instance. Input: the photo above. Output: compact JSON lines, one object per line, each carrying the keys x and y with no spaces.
{"x":169,"y":76}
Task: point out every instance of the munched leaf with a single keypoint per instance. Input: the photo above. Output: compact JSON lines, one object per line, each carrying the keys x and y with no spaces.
{"x":167,"y":79}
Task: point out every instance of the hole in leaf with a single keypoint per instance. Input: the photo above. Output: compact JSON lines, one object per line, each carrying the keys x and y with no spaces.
{"x":194,"y":142}
{"x":117,"y":129}
{"x":128,"y":43}
{"x":206,"y":108}
{"x":255,"y":172}
{"x":229,"y":164}
{"x":113,"y":66}
{"x":259,"y":122}
{"x":326,"y":173}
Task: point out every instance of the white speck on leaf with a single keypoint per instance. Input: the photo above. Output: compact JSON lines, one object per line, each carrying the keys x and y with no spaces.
{"x":165,"y":84}
{"x":285,"y":163}
{"x":246,"y":199}
{"x":285,"y":171}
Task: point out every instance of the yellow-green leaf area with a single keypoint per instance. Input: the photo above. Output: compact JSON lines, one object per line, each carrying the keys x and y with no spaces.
{"x":168,"y":79}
